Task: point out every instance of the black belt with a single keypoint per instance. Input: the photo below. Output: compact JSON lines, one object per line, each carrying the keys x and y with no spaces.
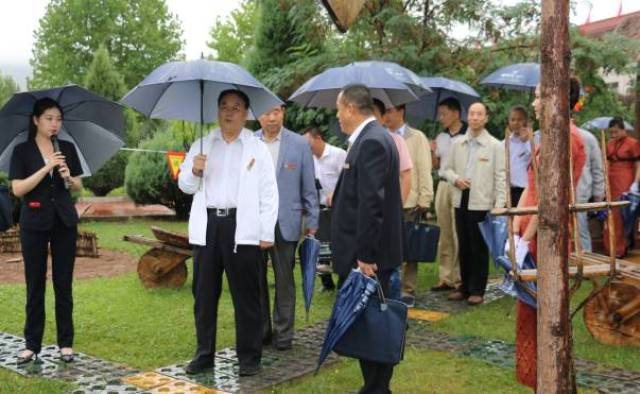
{"x":222,"y":212}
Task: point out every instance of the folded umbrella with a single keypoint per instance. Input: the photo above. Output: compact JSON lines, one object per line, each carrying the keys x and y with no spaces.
{"x":630,"y":214}
{"x":94,"y":124}
{"x":350,"y":303}
{"x":322,"y":90}
{"x":309,"y":251}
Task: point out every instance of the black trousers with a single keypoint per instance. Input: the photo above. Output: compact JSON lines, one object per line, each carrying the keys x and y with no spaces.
{"x":63,"y":253}
{"x":516,"y":193}
{"x":377,"y":376}
{"x":474,"y":255}
{"x":242,"y":267}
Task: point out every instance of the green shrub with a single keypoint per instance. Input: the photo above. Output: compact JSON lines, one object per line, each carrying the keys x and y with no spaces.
{"x":147,"y":176}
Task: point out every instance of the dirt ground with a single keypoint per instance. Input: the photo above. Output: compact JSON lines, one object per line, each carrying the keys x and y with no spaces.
{"x":110,"y":263}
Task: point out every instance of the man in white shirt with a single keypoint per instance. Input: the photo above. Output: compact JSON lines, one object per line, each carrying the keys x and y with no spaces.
{"x":328,"y":161}
{"x":449,"y":111}
{"x":233,"y":216}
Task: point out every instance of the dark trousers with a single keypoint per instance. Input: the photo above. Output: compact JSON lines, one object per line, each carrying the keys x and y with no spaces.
{"x":327,"y":281}
{"x":242,"y":268}
{"x":377,"y":376}
{"x":516,"y":193}
{"x":282,"y":256}
{"x":63,"y":253}
{"x":474,"y":255}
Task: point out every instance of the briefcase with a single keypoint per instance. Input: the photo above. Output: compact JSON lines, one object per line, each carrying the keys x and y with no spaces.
{"x":378,"y":334}
{"x":420,"y":241}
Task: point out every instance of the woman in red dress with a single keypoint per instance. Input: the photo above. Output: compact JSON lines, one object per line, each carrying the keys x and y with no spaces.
{"x":623,"y":152}
{"x":526,"y":228}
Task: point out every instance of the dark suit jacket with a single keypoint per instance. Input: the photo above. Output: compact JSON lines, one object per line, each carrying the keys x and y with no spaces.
{"x":367,"y":208}
{"x":49,"y":197}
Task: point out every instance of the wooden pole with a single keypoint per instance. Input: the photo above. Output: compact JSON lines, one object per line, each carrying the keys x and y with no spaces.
{"x":555,"y":371}
{"x":637,"y":120}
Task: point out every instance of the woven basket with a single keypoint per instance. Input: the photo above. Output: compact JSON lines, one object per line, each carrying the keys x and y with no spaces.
{"x":86,"y":246}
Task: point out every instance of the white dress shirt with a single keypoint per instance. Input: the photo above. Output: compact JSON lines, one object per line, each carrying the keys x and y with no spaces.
{"x":273,"y":146}
{"x":328,"y":168}
{"x":223,"y":163}
{"x":520,"y":153}
{"x":402,"y":130}
{"x":353,"y":137}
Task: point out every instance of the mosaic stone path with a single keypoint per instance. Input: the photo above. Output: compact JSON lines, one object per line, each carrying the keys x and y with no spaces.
{"x":91,"y":375}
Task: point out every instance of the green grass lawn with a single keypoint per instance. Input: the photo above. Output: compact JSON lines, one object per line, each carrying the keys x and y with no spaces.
{"x":119,"y":320}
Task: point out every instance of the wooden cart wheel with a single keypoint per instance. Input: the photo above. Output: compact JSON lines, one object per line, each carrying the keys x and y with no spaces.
{"x":161,"y":268}
{"x":620,"y":324}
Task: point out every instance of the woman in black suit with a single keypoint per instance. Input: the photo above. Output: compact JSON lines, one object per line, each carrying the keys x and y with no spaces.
{"x":43,"y":171}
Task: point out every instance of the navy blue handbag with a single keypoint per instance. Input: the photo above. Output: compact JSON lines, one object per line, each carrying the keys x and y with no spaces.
{"x":420,"y":241}
{"x":378,"y":334}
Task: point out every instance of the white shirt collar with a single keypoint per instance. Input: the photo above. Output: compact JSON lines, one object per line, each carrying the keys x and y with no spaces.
{"x":353,"y":137}
{"x":217,"y":135}
{"x":278,"y":137}
{"x":402,"y":130}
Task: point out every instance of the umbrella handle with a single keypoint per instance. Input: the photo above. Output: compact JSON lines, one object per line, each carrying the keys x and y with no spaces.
{"x":383,"y":300}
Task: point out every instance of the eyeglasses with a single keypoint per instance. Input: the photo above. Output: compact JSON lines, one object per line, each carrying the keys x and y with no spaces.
{"x":235,"y":109}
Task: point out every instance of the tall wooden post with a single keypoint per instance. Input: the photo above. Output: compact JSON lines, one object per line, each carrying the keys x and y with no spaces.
{"x":637,"y":101}
{"x":554,"y":326}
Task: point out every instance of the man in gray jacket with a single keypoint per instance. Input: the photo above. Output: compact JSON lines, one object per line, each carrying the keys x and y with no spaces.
{"x":295,"y":175}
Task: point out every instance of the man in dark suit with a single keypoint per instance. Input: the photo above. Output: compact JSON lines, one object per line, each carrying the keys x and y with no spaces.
{"x":366,"y":231}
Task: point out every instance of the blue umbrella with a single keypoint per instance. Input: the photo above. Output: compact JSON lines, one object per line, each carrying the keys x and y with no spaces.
{"x":94,"y":124}
{"x":520,"y":76}
{"x":190,"y":90}
{"x":494,"y":230}
{"x":322,"y":90}
{"x":309,"y":251}
{"x":427,"y":107}
{"x":630,"y":213}
{"x":603,"y":123}
{"x":401,"y":74}
{"x":350,"y":302}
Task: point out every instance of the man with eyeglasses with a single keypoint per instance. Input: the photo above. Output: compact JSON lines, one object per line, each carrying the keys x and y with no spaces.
{"x":233,"y":215}
{"x":295,"y":174}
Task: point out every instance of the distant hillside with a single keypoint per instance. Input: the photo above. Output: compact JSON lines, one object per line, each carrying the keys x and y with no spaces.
{"x":19,"y":72}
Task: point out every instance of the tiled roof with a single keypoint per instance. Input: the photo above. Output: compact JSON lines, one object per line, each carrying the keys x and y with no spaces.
{"x":627,"y":25}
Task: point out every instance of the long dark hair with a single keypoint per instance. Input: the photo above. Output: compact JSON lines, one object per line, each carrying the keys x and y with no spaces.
{"x":39,"y":107}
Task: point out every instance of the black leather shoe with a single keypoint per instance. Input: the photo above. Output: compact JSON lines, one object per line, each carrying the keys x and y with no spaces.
{"x":249,"y":370}
{"x":196,"y":367}
{"x":21,"y":360}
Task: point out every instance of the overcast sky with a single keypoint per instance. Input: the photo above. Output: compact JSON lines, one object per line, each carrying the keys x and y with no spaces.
{"x":19,"y":19}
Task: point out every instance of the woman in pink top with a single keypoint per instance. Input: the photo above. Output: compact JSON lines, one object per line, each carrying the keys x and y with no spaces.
{"x":403,"y":153}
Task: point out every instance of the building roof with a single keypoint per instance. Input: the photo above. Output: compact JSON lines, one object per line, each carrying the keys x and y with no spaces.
{"x":627,"y":25}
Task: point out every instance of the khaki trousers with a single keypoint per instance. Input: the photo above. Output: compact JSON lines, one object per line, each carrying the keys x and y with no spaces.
{"x":448,"y":255}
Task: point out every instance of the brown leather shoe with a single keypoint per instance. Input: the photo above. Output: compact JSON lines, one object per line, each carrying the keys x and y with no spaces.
{"x":456,"y":296}
{"x":475,"y":300}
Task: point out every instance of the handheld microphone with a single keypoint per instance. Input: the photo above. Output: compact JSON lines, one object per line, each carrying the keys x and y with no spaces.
{"x":56,"y":149}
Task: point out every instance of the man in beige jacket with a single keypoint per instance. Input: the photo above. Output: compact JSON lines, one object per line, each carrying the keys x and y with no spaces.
{"x":421,"y":192}
{"x":476,"y":167}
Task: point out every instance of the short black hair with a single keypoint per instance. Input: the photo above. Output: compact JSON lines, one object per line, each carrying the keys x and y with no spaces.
{"x":359,"y":96}
{"x":380,"y":105}
{"x":521,"y":109}
{"x":401,"y":107}
{"x":239,"y":93}
{"x":451,"y":103}
{"x":574,"y":92}
{"x":314,"y":131}
{"x":617,"y":121}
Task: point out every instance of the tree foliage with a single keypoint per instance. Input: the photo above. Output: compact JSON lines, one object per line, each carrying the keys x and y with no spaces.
{"x":147,"y":177}
{"x":232,"y":38}
{"x":139,"y":34}
{"x":8,"y":86}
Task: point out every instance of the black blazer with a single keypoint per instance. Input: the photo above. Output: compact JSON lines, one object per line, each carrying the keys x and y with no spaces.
{"x":366,"y":222}
{"x":40,"y":206}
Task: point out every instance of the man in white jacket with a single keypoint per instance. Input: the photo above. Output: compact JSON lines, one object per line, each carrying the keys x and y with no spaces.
{"x":233,"y":215}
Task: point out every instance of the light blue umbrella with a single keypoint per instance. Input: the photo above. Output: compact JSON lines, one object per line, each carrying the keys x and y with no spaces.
{"x":603,"y":123}
{"x":309,"y":251}
{"x":401,"y":74}
{"x":427,"y":107}
{"x":190,"y":90}
{"x":322,"y":90}
{"x":519,"y":76}
{"x":94,"y":124}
